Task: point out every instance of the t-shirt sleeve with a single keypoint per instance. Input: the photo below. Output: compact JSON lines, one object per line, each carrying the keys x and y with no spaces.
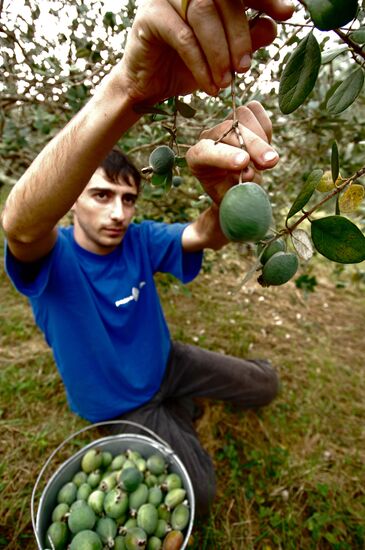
{"x":166,"y":251}
{"x":29,"y":278}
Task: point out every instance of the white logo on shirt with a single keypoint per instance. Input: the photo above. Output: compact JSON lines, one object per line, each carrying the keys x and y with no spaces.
{"x":134,"y":296}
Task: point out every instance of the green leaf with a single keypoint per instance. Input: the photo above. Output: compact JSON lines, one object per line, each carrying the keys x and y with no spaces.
{"x":346,"y":93}
{"x":338,"y":239}
{"x":300,"y":74}
{"x":358,"y":36}
{"x":181,"y":162}
{"x":305,"y":194}
{"x":329,"y":55}
{"x":162,"y":180}
{"x":335,"y":163}
{"x":184,"y":109}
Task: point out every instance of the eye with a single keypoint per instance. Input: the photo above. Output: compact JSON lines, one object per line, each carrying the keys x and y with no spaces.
{"x":101,"y":196}
{"x":129,"y":199}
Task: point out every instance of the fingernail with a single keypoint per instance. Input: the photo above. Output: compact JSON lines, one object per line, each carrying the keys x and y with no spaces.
{"x":245,"y":63}
{"x":270,"y":156}
{"x":226,"y":79}
{"x":240,"y":158}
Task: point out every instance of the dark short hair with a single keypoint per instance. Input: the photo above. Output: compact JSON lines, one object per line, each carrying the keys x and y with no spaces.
{"x":117,"y":165}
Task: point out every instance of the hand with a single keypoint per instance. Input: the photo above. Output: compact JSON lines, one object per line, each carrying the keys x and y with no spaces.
{"x":218,"y":165}
{"x":167,"y":56}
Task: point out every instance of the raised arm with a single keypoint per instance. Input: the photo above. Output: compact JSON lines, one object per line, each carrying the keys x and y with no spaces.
{"x":165,"y":56}
{"x":219,"y":165}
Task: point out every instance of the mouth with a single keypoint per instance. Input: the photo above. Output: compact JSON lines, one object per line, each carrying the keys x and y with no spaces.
{"x":114,"y":231}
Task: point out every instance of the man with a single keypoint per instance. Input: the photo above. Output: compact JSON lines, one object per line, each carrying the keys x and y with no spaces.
{"x":91,"y":286}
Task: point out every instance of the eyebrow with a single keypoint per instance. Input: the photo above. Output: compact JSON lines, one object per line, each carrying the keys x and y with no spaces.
{"x":101,"y":188}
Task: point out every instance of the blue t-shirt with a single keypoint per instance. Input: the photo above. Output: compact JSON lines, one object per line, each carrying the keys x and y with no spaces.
{"x":102,"y":316}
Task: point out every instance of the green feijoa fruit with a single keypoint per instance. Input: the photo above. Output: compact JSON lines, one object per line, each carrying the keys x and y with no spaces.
{"x":77,"y":504}
{"x":174,"y":497}
{"x":94,"y":479}
{"x":141,"y":464}
{"x":86,"y":540}
{"x":115,"y":503}
{"x":155,"y":495}
{"x":161,"y":479}
{"x":135,"y":539}
{"x":164,"y":512}
{"x":147,"y":518}
{"x":172,"y":481}
{"x":162,"y":528}
{"x":91,"y":460}
{"x":79,"y":478}
{"x":130,"y":478}
{"x":84,"y":491}
{"x":173,"y":540}
{"x":118,"y":462}
{"x":67,"y":493}
{"x":106,"y":459}
{"x":269,"y":250}
{"x":96,"y":501}
{"x":279,"y":269}
{"x":131,"y":522}
{"x":177,"y":181}
{"x":128,"y":464}
{"x":106,"y":528}
{"x":245,"y":213}
{"x":119,"y":543}
{"x":150,"y":479}
{"x":162,"y":159}
{"x":133,"y":455}
{"x":57,"y":535}
{"x":108,"y":482}
{"x":180,"y":517}
{"x":156,"y":464}
{"x":137,"y":498}
{"x":154,"y":543}
{"x":60,"y":511}
{"x":81,"y":518}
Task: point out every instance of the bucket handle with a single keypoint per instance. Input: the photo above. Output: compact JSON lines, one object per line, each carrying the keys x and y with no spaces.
{"x":67,"y":440}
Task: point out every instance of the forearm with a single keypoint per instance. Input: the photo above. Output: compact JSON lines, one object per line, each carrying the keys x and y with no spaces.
{"x":204,"y":232}
{"x":59,"y":173}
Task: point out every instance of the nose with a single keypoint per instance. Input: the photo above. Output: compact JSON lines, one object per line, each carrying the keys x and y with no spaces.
{"x":117,"y":211}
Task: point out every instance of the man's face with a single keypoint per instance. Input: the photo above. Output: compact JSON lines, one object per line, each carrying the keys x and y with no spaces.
{"x":103,"y":213}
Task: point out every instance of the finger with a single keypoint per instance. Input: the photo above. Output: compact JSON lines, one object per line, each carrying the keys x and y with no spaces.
{"x":177,"y":34}
{"x":238,"y":35}
{"x":222,"y":156}
{"x":261,"y":153}
{"x":247,"y":117}
{"x":263,"y":32}
{"x":278,"y":9}
{"x":222,"y":31}
{"x":262,"y":117}
{"x":206,"y":22}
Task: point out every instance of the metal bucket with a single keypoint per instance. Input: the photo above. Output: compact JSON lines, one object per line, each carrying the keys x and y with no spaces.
{"x":114,"y":444}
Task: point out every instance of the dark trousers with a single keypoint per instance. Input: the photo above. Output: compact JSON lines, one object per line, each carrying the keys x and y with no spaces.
{"x":195,"y":372}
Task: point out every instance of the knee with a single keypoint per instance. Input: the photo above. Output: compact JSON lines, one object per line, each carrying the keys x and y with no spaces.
{"x":270,"y":387}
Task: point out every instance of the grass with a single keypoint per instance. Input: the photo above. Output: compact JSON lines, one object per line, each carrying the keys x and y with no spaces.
{"x":290,"y":476}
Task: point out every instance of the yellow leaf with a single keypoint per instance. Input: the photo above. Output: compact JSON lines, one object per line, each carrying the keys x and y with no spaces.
{"x":351,"y":198}
{"x":326,"y":183}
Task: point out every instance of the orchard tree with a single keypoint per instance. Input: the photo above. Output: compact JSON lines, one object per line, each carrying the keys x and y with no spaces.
{"x":311,"y":79}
